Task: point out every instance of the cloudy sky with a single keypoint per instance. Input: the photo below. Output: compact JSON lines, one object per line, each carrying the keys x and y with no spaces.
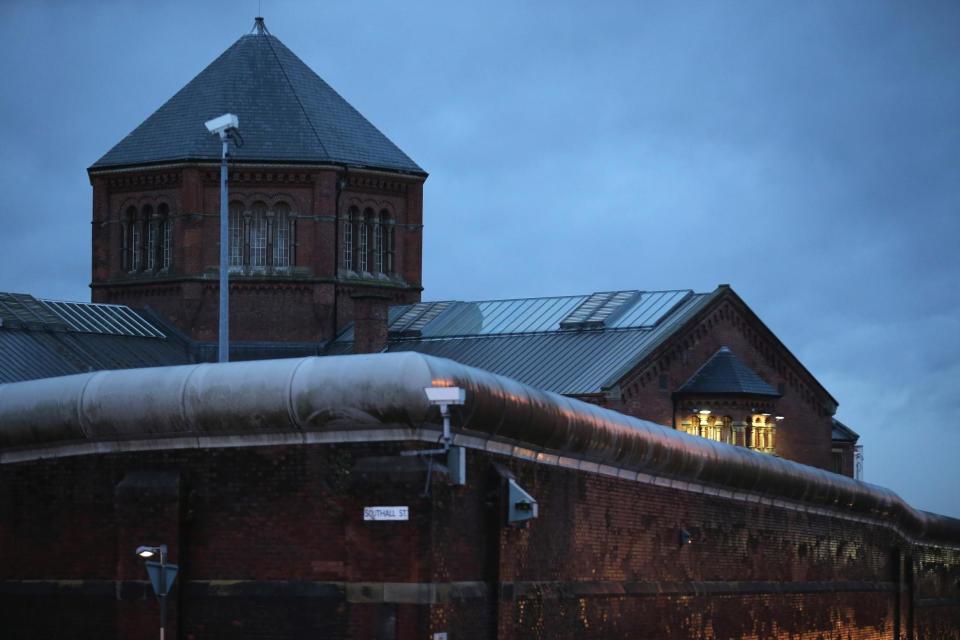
{"x":807,"y":153}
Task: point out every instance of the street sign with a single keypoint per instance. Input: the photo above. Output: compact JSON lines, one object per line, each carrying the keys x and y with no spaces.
{"x":386,"y":513}
{"x":170,"y":574}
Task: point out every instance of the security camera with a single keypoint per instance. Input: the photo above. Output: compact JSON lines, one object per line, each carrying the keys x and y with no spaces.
{"x":222,"y":124}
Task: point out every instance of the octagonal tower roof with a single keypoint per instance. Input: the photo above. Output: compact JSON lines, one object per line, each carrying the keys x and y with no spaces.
{"x":287,"y":114}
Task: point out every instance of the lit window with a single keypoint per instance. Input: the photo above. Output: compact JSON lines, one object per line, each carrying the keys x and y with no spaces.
{"x":762,"y":433}
{"x":692,"y":425}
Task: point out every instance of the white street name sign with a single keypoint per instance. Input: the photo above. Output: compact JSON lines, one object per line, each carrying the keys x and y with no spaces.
{"x":386,"y":513}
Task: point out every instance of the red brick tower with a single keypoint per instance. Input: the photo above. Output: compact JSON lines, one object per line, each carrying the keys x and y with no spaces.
{"x":322,"y":205}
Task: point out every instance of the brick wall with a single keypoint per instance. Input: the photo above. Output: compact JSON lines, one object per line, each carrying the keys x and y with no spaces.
{"x":299,"y":305}
{"x":272,"y":544}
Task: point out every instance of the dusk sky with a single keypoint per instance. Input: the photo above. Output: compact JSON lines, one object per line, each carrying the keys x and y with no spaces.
{"x":806,"y":153}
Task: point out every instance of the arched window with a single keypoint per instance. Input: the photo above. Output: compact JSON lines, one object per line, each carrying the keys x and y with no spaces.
{"x":261,"y":238}
{"x":726,"y":429}
{"x":388,"y":227}
{"x":348,"y":223}
{"x":166,"y":236}
{"x":282,"y":246}
{"x":151,"y":223}
{"x":363,"y":246}
{"x":762,"y":433}
{"x":236,"y":235}
{"x":378,"y":244}
{"x":135,"y":243}
{"x":258,"y":236}
{"x":126,"y":249}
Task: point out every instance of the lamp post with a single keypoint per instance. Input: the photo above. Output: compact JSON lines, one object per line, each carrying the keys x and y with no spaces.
{"x":162,"y":575}
{"x":223,"y":126}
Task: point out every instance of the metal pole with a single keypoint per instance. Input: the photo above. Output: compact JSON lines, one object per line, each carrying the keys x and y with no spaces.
{"x":224,"y":333}
{"x":163,"y":591}
{"x":445,"y":412}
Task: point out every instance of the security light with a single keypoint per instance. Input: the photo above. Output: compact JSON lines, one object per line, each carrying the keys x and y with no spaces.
{"x":147,"y":552}
{"x":779,"y":418}
{"x":221,"y":124}
{"x":445,"y":395}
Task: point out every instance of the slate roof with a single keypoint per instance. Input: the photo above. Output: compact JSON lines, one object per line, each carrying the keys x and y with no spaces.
{"x":575,"y":345}
{"x":287,"y":113}
{"x":724,"y":373}
{"x":45,"y":338}
{"x":843,"y":433}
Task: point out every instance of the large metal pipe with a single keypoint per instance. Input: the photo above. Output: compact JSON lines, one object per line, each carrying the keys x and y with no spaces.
{"x":347,"y":392}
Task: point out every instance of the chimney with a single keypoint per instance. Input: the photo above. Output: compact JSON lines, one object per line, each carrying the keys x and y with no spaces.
{"x":370,"y":322}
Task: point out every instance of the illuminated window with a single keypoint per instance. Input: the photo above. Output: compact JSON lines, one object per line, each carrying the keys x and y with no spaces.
{"x":691,"y":425}
{"x":762,"y":433}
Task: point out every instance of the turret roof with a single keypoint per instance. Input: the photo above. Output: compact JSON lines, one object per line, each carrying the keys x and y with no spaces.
{"x":287,"y":113}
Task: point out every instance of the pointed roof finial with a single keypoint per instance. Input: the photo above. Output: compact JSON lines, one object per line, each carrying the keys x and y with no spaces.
{"x":259,"y":26}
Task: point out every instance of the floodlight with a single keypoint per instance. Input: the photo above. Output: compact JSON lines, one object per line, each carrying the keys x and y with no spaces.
{"x":147,"y":552}
{"x":221,"y":124}
{"x":445,"y":395}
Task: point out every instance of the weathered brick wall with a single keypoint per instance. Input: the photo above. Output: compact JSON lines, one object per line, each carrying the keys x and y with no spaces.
{"x":294,"y":306}
{"x":272,"y":544}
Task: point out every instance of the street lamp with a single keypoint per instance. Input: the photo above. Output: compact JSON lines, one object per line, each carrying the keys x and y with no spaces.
{"x":162,"y":574}
{"x":224,"y":126}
